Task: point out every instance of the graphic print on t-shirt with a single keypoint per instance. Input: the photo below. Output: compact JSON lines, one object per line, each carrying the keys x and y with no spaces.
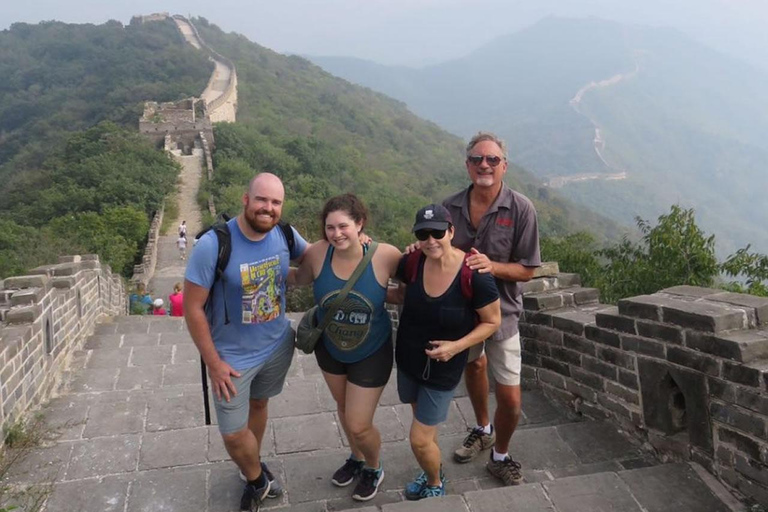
{"x":351,"y":321}
{"x":262,"y":284}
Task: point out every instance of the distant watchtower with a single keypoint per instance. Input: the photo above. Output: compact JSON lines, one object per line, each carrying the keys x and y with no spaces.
{"x":176,"y":124}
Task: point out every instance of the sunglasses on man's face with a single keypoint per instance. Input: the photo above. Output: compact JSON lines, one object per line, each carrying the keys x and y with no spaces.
{"x":423,"y":234}
{"x":492,"y":160}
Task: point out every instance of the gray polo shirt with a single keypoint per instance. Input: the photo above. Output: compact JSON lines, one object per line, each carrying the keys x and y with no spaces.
{"x":508,"y":232}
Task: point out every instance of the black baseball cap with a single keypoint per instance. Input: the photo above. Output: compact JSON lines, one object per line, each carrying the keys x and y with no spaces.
{"x":432,"y":216}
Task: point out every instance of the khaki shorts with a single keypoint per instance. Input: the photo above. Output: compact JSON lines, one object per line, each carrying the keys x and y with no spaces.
{"x":504,"y":359}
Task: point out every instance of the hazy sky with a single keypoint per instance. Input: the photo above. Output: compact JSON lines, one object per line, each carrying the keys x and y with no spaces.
{"x":415,"y":32}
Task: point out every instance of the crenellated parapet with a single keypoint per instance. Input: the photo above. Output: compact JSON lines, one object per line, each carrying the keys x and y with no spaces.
{"x":144,"y":271}
{"x":46,"y":316}
{"x":685,"y":370}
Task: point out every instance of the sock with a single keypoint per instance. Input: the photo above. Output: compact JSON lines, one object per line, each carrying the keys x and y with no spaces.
{"x":259,"y":482}
{"x":377,"y":470}
{"x":352,"y":456}
{"x":498,"y":457}
{"x":488,"y":429}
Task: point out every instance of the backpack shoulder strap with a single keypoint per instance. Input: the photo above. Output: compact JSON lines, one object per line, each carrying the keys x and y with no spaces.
{"x":465,"y":278}
{"x":412,"y":266}
{"x":288,"y":233}
{"x":224,"y":239}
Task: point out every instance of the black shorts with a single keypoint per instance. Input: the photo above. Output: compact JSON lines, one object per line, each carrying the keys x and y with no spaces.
{"x":371,"y":372}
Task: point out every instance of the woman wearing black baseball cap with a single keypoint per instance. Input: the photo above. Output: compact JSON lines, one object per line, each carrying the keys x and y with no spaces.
{"x":447,"y":309}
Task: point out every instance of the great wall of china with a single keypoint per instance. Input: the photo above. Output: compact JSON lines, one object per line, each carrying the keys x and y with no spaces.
{"x":683,"y":373}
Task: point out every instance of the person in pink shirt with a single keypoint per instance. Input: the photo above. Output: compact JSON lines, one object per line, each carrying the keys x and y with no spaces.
{"x":176,"y":299}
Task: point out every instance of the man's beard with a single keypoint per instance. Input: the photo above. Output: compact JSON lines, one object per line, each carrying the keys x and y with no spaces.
{"x":261,"y":226}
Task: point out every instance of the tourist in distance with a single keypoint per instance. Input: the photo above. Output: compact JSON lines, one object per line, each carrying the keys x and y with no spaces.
{"x":446,"y":310}
{"x":249,"y":355}
{"x":183,"y":229}
{"x":181,"y":243}
{"x":176,"y":301}
{"x":355,"y":351}
{"x":157,"y":308}
{"x":498,"y":225}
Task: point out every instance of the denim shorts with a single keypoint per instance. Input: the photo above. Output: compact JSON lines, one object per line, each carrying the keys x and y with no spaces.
{"x":431,"y":404}
{"x":263,"y":381}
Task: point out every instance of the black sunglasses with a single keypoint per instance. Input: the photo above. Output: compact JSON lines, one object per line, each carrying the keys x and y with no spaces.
{"x":423,"y":234}
{"x":492,"y":160}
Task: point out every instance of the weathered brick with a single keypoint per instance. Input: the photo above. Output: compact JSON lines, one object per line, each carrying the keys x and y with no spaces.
{"x":616,"y":357}
{"x":572,"y":322}
{"x":580,"y":344}
{"x":581,"y":390}
{"x":642,"y":345}
{"x":582,"y":296}
{"x":543,"y":301}
{"x":742,"y":442}
{"x":752,"y":469}
{"x":647,"y":307}
{"x":557,"y":393}
{"x":555,"y":379}
{"x":591,"y":410}
{"x":555,"y":366}
{"x":759,"y":304}
{"x":590,"y":379}
{"x":544,"y":333}
{"x":659,"y":331}
{"x":742,"y":346}
{"x":610,"y":319}
{"x":744,"y":397}
{"x":696,"y":292}
{"x":535,"y":346}
{"x":741,"y":373}
{"x":694,"y":360}
{"x":566,"y":355}
{"x":603,"y":336}
{"x":530,"y":358}
{"x":738,"y":418}
{"x":599,"y":367}
{"x":625,"y":394}
{"x":628,"y":379}
{"x":703,"y":316}
{"x":538,"y":318}
{"x":617,"y":406}
{"x":526,"y":372}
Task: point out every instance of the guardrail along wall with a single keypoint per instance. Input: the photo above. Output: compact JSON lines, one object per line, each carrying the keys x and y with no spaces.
{"x":46,"y":316}
{"x":685,"y":370}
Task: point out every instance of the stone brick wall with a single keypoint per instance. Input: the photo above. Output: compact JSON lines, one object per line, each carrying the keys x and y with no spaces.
{"x":685,"y":370}
{"x":46,"y":316}
{"x":144,"y":271}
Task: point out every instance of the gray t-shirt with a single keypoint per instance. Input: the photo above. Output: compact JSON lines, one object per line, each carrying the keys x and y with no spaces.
{"x":508,"y":232}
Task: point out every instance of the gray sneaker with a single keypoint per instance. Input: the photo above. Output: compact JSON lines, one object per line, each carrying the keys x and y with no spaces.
{"x":507,"y":470}
{"x":474,"y":443}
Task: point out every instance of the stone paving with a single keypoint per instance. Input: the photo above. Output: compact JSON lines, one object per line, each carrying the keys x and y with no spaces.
{"x":132,"y":438}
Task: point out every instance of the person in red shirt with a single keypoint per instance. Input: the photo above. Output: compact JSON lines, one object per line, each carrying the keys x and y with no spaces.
{"x":176,"y":299}
{"x":157,"y":308}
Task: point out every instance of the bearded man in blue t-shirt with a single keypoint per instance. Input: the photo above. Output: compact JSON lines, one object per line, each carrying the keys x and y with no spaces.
{"x":249,"y":355}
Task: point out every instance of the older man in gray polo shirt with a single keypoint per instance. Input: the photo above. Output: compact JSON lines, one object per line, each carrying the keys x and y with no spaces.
{"x":498,"y":225}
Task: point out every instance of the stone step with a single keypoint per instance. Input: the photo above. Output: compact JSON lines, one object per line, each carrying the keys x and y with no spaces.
{"x":663,"y":488}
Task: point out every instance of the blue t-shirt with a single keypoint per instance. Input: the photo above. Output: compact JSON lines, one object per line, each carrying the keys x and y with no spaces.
{"x":253,"y":287}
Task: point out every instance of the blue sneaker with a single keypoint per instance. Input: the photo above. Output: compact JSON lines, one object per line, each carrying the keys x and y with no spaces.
{"x":432,"y":491}
{"x":413,"y":489}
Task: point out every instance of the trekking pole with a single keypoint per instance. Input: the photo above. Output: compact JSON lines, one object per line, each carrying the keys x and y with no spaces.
{"x":206,"y":405}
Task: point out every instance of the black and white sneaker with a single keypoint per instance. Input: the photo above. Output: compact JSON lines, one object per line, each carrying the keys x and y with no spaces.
{"x":253,"y":495}
{"x":275,"y":488}
{"x":368,"y":486}
{"x":347,"y":473}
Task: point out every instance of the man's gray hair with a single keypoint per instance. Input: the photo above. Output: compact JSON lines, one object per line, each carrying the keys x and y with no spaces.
{"x":482,"y":137}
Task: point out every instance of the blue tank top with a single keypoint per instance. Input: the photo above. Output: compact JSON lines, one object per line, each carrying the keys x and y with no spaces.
{"x":361,"y":325}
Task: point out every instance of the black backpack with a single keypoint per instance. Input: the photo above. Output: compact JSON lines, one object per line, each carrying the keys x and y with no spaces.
{"x":224,"y":238}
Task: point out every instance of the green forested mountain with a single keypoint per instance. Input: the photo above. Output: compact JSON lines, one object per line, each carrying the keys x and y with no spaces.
{"x":59,"y":77}
{"x":685,"y":123}
{"x":325,"y":136}
{"x":71,"y":185}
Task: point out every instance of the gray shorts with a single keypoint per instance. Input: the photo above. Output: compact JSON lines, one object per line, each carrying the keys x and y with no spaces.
{"x":259,"y":382}
{"x":431,"y":405}
{"x":504,"y":359}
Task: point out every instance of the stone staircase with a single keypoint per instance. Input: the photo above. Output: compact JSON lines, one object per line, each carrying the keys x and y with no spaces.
{"x":132,"y":439}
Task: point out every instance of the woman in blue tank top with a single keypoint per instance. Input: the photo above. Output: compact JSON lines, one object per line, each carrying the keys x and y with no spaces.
{"x":355,"y":352}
